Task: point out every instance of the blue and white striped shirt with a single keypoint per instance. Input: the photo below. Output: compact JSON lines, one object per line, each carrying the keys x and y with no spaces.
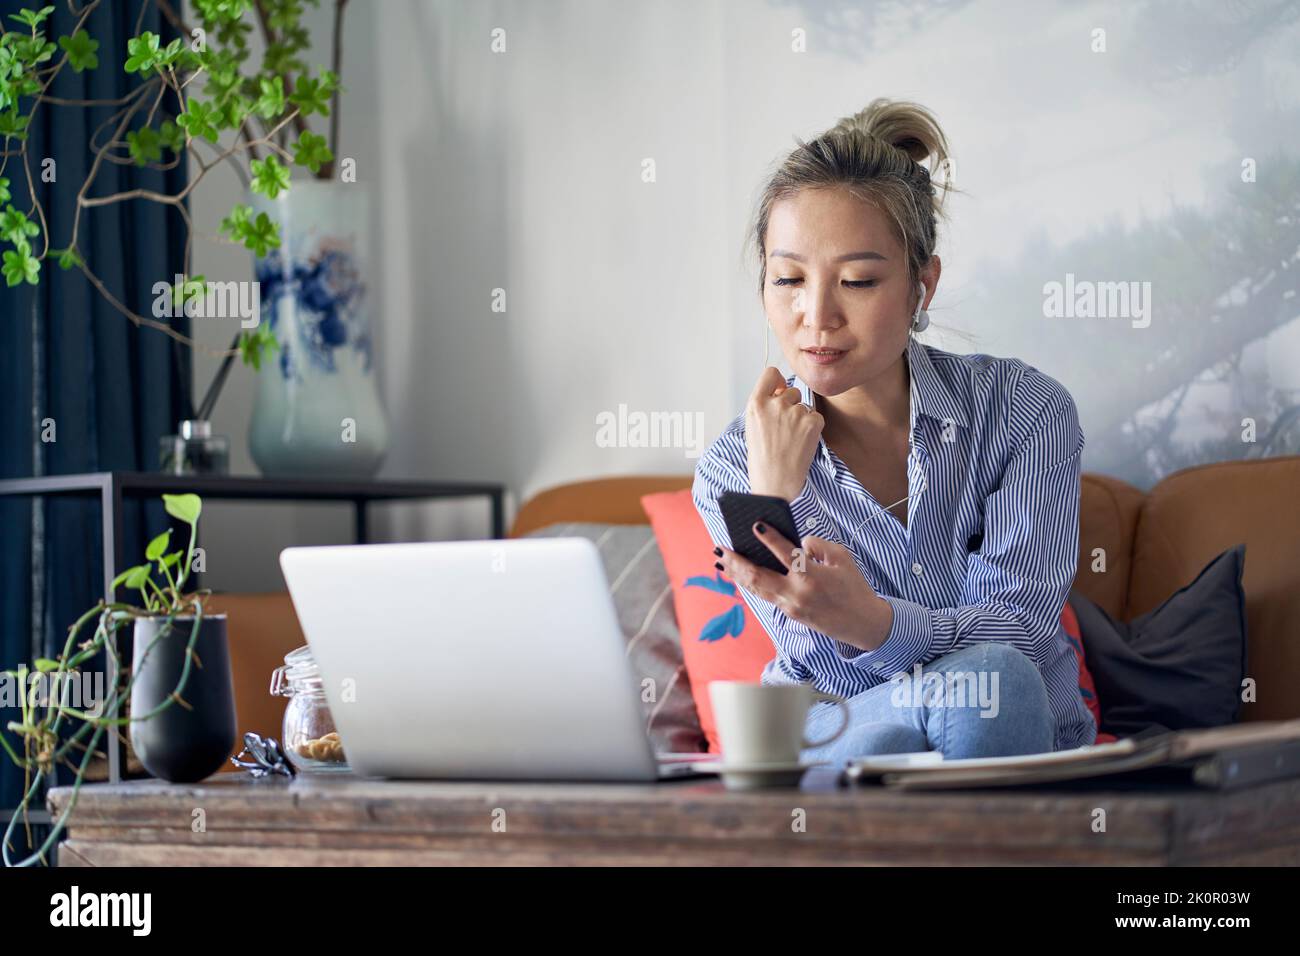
{"x":992,"y":539}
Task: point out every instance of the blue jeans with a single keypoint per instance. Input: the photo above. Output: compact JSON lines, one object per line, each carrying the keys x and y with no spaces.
{"x":986,"y":700}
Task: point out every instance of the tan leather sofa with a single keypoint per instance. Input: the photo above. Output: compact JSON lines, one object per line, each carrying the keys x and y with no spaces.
{"x":1153,"y":544}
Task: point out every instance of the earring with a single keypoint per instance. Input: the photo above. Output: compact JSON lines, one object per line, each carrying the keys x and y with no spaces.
{"x":920,"y":318}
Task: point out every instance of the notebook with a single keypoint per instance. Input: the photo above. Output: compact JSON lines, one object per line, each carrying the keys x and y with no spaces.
{"x":1217,"y":757}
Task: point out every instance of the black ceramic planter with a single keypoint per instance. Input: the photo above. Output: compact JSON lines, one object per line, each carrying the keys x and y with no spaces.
{"x":182,"y":744}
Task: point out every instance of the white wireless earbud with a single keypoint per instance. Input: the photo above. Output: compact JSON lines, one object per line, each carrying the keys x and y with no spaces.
{"x":920,"y":318}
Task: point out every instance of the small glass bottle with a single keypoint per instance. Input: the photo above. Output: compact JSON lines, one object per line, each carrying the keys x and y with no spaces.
{"x":195,"y":451}
{"x":310,"y":741}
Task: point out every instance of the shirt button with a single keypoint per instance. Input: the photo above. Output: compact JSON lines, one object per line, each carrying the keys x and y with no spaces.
{"x":917,"y":569}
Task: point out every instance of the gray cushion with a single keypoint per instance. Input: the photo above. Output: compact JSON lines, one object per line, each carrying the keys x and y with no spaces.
{"x":1178,"y":667}
{"x":643,"y":598}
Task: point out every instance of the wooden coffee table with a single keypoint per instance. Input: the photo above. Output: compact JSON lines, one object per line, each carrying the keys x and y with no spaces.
{"x":234,"y":819}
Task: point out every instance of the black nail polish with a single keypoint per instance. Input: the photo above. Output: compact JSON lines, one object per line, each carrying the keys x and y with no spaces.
{"x":718,"y":552}
{"x":718,"y":566}
{"x":762,"y":529}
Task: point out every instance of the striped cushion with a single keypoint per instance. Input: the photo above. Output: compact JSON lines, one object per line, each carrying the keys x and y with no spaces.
{"x":643,"y":599}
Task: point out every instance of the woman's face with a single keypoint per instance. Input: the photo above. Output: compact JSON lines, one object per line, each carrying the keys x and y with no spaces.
{"x":837,"y":291}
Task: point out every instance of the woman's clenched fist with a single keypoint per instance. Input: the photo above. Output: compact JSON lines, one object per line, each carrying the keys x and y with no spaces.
{"x":781,"y":436}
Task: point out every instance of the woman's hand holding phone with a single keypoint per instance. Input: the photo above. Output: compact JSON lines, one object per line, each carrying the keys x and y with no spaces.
{"x":781,"y":436}
{"x":822,"y":587}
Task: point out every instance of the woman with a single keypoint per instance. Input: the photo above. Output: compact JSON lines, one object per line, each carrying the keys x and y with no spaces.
{"x":938,"y":494}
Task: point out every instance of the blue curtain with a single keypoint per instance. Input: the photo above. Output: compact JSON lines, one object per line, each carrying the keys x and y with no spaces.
{"x":67,"y":356}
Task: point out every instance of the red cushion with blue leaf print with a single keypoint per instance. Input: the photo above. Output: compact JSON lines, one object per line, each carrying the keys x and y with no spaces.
{"x":721,"y":639}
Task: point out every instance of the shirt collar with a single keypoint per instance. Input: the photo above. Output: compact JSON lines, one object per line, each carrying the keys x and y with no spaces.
{"x":930,"y":396}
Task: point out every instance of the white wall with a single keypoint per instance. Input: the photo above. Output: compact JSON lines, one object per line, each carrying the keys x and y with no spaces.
{"x":522,"y":171}
{"x":1115,"y":161}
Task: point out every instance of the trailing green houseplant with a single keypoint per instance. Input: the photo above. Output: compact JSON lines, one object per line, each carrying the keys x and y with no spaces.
{"x":258,"y":109}
{"x":45,"y":737}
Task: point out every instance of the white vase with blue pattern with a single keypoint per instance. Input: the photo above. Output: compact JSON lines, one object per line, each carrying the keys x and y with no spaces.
{"x":317,"y":411}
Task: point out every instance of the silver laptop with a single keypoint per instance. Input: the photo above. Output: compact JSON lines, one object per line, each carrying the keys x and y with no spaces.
{"x":499,"y":659}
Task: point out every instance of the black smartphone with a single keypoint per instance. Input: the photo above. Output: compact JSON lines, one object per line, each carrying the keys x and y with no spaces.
{"x":741,"y":511}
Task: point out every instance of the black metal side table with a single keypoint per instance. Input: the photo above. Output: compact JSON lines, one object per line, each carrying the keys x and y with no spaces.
{"x":113,"y":487}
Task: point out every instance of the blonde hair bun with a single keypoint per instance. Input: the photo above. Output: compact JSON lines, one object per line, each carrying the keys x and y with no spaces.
{"x":906,"y":126}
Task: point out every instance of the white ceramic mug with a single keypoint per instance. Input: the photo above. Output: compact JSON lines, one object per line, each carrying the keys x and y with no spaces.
{"x":764,"y":723}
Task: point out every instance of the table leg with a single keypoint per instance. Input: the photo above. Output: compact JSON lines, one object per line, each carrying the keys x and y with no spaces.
{"x":498,"y":514}
{"x":360,"y":526}
{"x":111,"y":516}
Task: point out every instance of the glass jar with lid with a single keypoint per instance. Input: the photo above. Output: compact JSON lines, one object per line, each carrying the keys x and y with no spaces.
{"x":310,"y":741}
{"x":194,"y":451}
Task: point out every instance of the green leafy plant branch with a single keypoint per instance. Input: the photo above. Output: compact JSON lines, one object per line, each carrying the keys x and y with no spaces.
{"x":259,"y":109}
{"x":41,"y":747}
